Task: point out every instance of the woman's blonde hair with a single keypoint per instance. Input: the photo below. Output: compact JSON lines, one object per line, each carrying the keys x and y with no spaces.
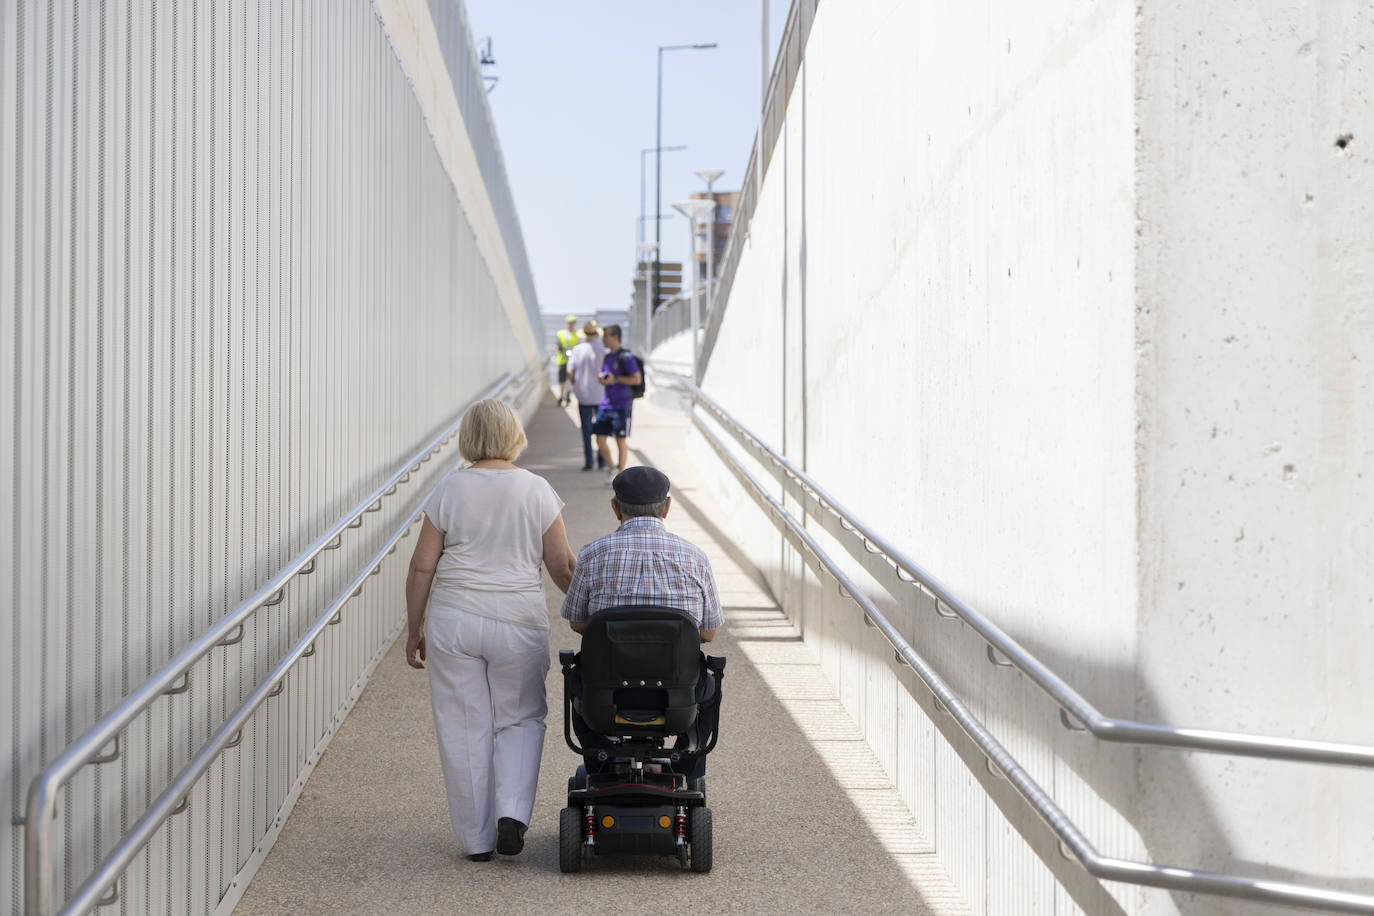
{"x":490,"y":429}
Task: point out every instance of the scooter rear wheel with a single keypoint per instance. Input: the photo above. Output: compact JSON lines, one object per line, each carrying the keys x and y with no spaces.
{"x":570,"y":840}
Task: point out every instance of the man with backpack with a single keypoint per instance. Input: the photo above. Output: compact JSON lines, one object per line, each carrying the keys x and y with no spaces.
{"x":584,"y":365}
{"x":623,"y":381}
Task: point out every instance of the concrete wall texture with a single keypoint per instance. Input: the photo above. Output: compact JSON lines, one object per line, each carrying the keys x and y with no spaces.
{"x":1073,"y":302}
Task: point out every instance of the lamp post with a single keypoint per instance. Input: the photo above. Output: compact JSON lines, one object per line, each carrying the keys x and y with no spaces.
{"x":710,"y":176}
{"x":764,"y":60}
{"x":658,"y":158}
{"x":639,"y":235}
{"x":694,"y":209}
{"x":646,"y":251}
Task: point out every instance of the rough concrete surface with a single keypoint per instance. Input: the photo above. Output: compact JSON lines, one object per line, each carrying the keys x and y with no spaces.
{"x":805,"y":818}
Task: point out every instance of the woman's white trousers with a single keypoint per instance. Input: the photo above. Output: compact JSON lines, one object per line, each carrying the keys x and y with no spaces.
{"x":486,"y":684}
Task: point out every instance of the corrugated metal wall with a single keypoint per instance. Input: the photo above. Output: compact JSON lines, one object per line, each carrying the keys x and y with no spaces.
{"x":236,"y":290}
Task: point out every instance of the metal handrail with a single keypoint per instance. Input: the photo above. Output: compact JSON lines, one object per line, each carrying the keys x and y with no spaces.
{"x":174,"y":677}
{"x":1001,"y":762}
{"x":1075,"y":707}
{"x":527,"y":382}
{"x":673,"y":316}
{"x":102,"y":885}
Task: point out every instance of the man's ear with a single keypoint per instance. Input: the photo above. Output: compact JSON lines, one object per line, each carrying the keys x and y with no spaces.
{"x":615,"y":507}
{"x":667,"y":504}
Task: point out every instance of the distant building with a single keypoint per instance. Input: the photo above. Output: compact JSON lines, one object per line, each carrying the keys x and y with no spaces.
{"x":669,"y":282}
{"x":672,"y":281}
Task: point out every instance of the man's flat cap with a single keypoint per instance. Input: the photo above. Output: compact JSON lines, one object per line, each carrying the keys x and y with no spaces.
{"x":640,"y":486}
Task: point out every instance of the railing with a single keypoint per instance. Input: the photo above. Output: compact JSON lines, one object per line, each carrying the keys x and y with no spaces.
{"x":528,"y":381}
{"x":675,"y":316}
{"x":1072,"y":706}
{"x":785,"y":67}
{"x":101,"y":887}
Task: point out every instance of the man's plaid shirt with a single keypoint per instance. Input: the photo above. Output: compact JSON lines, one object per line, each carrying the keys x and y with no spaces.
{"x":643,"y":563}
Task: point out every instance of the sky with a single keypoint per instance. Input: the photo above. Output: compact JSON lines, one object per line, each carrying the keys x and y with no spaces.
{"x":574,"y":106}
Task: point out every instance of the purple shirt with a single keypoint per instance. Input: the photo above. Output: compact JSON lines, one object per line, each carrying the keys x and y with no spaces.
{"x":622,"y":362}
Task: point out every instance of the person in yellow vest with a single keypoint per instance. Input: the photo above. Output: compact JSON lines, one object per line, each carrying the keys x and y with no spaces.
{"x":566,"y":341}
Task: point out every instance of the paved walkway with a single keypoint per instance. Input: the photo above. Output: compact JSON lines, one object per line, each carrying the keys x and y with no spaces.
{"x":805,"y":818}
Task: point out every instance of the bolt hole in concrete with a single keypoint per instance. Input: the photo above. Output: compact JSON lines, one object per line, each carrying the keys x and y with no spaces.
{"x":1344,"y":140}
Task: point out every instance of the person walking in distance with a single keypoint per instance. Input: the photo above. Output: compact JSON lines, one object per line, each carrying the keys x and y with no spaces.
{"x":566,"y":341}
{"x":584,"y":364}
{"x":619,"y":371}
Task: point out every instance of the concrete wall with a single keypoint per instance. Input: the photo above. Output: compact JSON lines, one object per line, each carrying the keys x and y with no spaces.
{"x":1037,"y":291}
{"x":1255,"y":337}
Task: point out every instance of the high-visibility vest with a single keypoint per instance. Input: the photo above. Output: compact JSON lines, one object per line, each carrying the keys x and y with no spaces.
{"x":566,"y":341}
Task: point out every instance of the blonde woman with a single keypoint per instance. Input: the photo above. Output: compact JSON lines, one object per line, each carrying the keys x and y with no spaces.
{"x":484,"y":629}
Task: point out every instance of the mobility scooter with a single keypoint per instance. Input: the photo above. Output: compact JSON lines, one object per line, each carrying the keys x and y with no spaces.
{"x":639,"y":684}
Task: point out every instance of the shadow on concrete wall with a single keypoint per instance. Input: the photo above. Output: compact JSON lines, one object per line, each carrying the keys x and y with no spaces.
{"x":1083,"y":888}
{"x":1086,"y":891}
{"x":1204,"y":844}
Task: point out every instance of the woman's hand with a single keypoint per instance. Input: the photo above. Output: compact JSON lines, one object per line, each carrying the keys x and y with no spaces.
{"x":423,"y":563}
{"x":415,"y":650}
{"x":559,"y":559}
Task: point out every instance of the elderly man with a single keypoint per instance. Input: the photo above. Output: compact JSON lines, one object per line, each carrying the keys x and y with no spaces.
{"x":643,"y":563}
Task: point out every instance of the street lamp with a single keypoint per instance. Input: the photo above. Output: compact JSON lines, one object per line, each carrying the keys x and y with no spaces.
{"x":695,"y":210}
{"x":710,"y":176}
{"x":639,"y":236}
{"x":658,"y":157}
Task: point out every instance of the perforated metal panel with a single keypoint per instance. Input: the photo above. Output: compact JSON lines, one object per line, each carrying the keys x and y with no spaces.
{"x":236,"y":289}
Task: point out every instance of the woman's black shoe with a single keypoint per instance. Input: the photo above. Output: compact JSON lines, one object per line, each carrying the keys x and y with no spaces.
{"x":480,"y":857}
{"x":510,"y":836}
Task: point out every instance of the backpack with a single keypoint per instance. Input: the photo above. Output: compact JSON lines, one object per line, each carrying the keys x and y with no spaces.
{"x":636,"y":390}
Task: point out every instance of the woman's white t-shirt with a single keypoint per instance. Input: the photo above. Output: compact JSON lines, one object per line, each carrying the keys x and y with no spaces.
{"x":493,"y":521}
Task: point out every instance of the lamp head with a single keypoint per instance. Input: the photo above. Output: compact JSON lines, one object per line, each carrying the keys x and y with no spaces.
{"x":710,"y":176}
{"x":694,"y":208}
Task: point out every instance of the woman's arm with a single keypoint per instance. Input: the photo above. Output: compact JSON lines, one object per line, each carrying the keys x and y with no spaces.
{"x":559,"y":558}
{"x":423,"y":562}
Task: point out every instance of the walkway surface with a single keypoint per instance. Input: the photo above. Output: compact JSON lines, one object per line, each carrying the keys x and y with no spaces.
{"x":805,"y":818}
